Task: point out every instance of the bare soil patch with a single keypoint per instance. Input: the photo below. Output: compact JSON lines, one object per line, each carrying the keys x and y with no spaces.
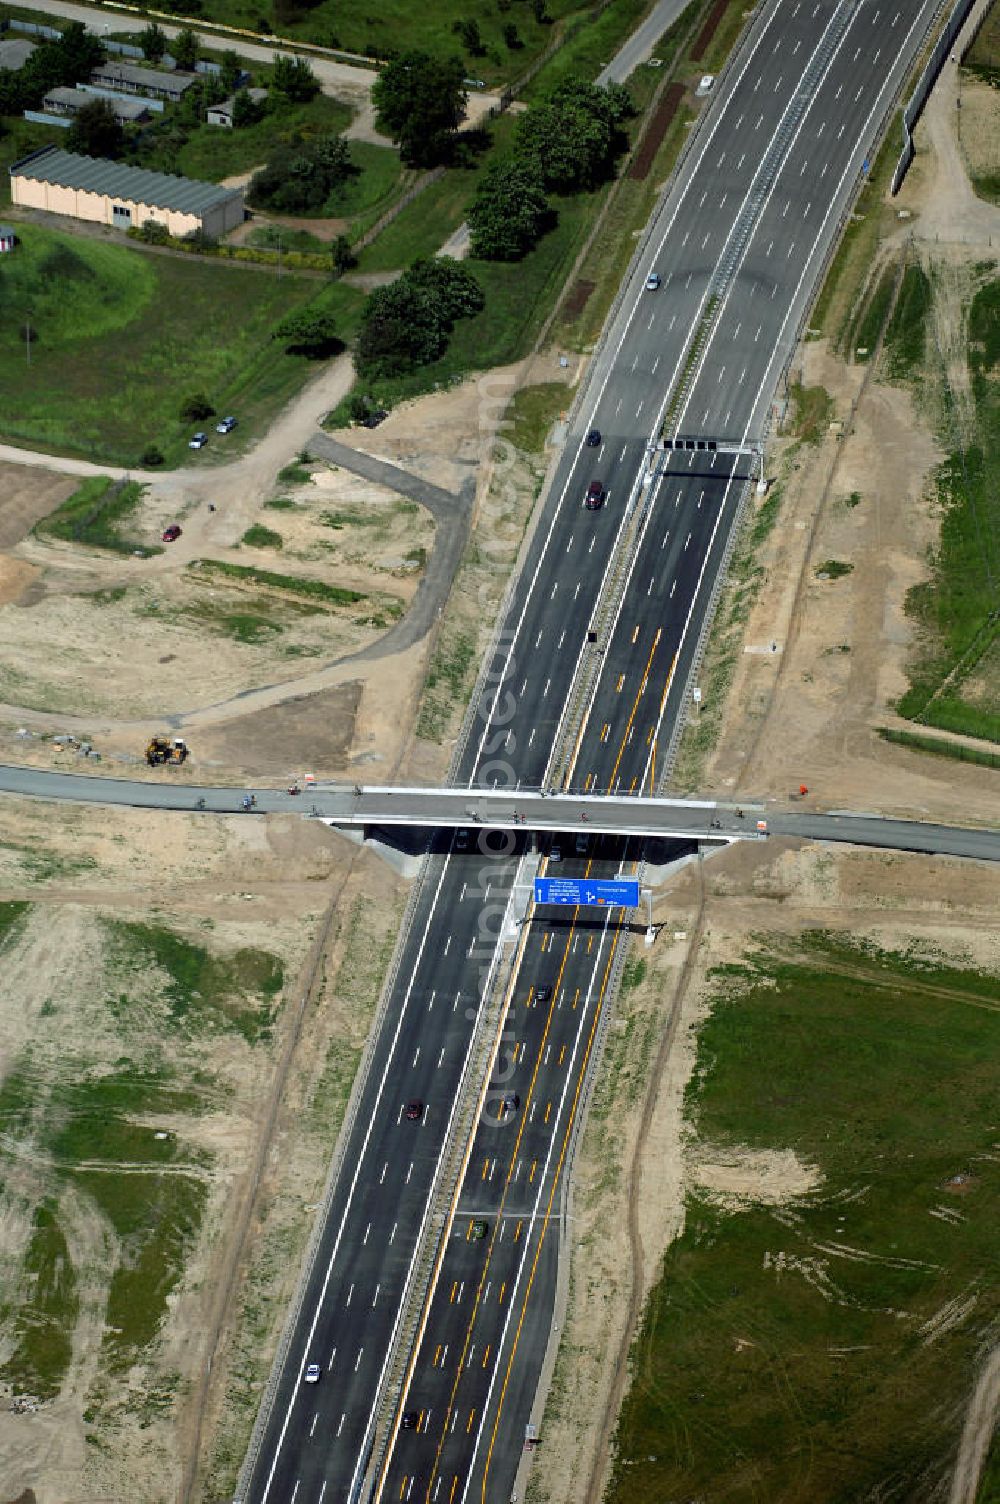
{"x":224,"y":885}
{"x":577,"y":298}
{"x":312,"y":733}
{"x":707,"y":32}
{"x":652,"y":137}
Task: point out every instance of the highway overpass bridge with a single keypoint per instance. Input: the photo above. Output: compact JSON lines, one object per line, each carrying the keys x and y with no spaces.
{"x":477,"y":810}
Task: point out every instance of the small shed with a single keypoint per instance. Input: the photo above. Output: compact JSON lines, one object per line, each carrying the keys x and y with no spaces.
{"x":7,"y":238}
{"x":222,"y":114}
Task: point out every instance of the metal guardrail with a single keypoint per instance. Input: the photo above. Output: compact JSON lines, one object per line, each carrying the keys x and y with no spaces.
{"x":914,"y":106}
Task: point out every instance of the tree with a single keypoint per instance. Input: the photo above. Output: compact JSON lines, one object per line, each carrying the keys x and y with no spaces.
{"x":419,"y":100}
{"x":230,"y":70}
{"x":451,"y":286}
{"x":184,"y":49}
{"x":153,"y":41}
{"x":95,"y":132}
{"x":309,"y":331}
{"x":300,"y":177}
{"x":509,"y":211}
{"x":468,"y":30}
{"x":407,"y":323}
{"x":342,"y":256}
{"x":511,"y":37}
{"x":293,"y":79}
{"x":574,"y":134}
{"x":246,"y":109}
{"x":196,"y":407}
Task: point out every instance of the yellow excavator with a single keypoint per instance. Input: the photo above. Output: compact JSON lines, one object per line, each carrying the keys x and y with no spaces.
{"x":162,"y":750}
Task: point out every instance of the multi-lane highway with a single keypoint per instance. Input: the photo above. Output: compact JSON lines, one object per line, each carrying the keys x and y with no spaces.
{"x":737,"y":245}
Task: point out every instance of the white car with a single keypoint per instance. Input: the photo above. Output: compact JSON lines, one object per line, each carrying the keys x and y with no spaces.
{"x":652,"y":281}
{"x":199,"y":441}
{"x":311,"y":1375}
{"x":226,"y":425}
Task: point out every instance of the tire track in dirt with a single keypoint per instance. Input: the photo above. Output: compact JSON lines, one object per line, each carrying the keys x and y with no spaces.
{"x":981,"y":1420}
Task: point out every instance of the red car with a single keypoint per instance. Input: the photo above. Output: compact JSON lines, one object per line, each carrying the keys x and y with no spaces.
{"x":595,"y":496}
{"x":414,"y":1112}
{"x":171,"y":533}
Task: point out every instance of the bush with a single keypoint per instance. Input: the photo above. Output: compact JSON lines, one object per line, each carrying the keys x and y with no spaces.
{"x":196,"y":407}
{"x":151,"y":457}
{"x":259,"y":536}
{"x":299,"y":178}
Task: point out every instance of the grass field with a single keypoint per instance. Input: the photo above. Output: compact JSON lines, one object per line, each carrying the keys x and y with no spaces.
{"x":824,"y":1351}
{"x":955,"y":679}
{"x":396,"y":26}
{"x":122,"y":336}
{"x":83,"y":1124}
{"x":95,"y":515}
{"x":211,"y":152}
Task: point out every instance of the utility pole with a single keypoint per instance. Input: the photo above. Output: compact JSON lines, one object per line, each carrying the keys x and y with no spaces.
{"x":27,"y":340}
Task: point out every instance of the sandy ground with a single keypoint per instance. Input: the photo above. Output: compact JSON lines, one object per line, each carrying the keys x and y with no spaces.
{"x":240,"y":883}
{"x":63,"y":670}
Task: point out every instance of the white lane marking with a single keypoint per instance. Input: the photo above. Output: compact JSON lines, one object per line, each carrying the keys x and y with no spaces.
{"x":382,"y":1176}
{"x":349,"y":1294}
{"x":528,"y":1244}
{"x":375,"y":1296}
{"x":447,"y":945}
{"x":357,"y":1361}
{"x":409,"y":1172}
{"x":393,"y":1233}
{"x":692,"y":179}
{"x":339,"y":1429}
{"x":313,"y":1426}
{"x":416,"y":1057}
{"x":333,"y":1354}
{"x":440,"y":1057}
{"x":368,"y":1229}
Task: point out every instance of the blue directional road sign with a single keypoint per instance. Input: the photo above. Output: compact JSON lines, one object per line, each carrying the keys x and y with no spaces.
{"x":592,"y":892}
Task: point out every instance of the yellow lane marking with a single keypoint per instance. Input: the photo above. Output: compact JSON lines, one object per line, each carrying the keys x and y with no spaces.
{"x":552,"y":1193}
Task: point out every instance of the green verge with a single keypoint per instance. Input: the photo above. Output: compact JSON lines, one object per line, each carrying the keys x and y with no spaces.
{"x":938,"y":747}
{"x":955,"y":678}
{"x":108,"y":370}
{"x":825,"y":1351}
{"x":95,"y":514}
{"x":211,"y":152}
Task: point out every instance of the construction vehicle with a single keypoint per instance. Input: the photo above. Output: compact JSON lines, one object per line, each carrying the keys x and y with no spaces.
{"x":162,"y":750}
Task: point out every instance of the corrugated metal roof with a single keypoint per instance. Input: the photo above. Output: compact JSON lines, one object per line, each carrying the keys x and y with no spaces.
{"x":144,"y":78}
{"x":160,"y":190}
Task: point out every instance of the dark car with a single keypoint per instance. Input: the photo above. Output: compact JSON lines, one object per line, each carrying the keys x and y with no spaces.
{"x":478,"y":1230}
{"x":543,"y":994}
{"x":510,"y":1103}
{"x":595,"y":496}
{"x":171,"y":533}
{"x":414,"y":1111}
{"x":462,"y":841}
{"x":593,"y":438}
{"x":411,"y":1420}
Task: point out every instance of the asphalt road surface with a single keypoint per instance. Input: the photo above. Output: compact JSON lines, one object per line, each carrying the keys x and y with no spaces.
{"x":737,"y":245}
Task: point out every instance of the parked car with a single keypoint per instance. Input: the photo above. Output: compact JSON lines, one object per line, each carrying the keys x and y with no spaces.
{"x":199,"y":441}
{"x":171,"y":533}
{"x":595,"y":496}
{"x":226,"y":425}
{"x":653,"y":282}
